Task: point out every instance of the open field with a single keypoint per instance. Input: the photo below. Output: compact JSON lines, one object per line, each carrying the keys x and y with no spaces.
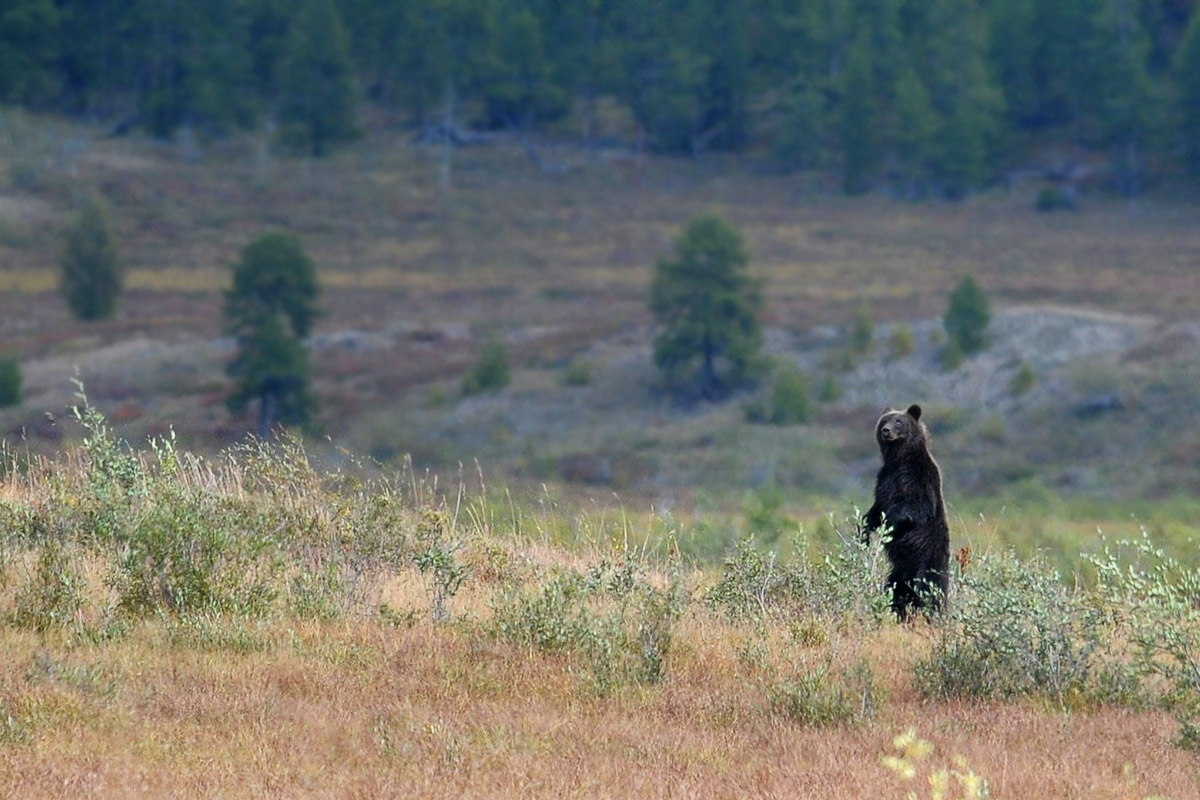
{"x":363,"y":710}
{"x":251,"y":628}
{"x":557,"y":265}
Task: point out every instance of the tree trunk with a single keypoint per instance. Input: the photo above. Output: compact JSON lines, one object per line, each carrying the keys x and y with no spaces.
{"x":1133,"y":177}
{"x":447,"y":134}
{"x":710,"y":370}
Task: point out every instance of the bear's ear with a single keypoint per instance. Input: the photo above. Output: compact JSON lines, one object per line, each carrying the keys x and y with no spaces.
{"x":914,"y":411}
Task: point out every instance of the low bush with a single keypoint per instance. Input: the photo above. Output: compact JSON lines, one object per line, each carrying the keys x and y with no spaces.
{"x":53,"y":595}
{"x":491,"y":373}
{"x":577,"y":373}
{"x":1156,"y":602}
{"x":788,"y":403}
{"x":1024,"y":380}
{"x":825,"y":696}
{"x":900,"y":342}
{"x":1014,"y":629}
{"x":847,"y":582}
{"x":254,"y":533}
{"x":1052,"y":198}
{"x":10,"y":382}
{"x":611,"y":618}
{"x":862,"y":331}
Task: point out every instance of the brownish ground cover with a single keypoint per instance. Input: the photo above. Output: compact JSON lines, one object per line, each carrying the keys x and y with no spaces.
{"x":359,"y":710}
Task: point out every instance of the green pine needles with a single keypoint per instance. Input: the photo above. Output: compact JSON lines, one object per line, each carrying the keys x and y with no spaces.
{"x":90,"y":277}
{"x":708,"y":309}
{"x":967,"y":317}
{"x":271,"y":309}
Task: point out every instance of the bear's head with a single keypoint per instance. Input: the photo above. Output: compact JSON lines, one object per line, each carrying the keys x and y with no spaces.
{"x":899,"y":430}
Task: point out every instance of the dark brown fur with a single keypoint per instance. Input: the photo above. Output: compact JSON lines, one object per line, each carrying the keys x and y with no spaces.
{"x":908,"y":500}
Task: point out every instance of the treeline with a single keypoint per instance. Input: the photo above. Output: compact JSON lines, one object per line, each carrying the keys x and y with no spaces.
{"x":928,"y":97}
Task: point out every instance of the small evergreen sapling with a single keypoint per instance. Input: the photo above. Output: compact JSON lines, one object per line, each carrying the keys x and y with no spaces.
{"x":270,"y":310}
{"x":967,"y":316}
{"x":708,"y":309}
{"x":90,"y":277}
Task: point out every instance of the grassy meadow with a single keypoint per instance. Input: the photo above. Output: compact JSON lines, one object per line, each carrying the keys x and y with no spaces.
{"x":249,"y":626}
{"x":576,"y":586}
{"x":556,"y":265}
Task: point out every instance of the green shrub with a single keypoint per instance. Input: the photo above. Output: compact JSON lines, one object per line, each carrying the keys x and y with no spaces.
{"x":1157,"y":600}
{"x":1024,"y":380}
{"x":862,"y":331}
{"x":824,"y":696}
{"x":54,"y":594}
{"x":1052,"y":198}
{"x":436,"y":555}
{"x":611,"y":618}
{"x":847,"y":582}
{"x":188,"y":553}
{"x":900,"y":342}
{"x":10,"y":381}
{"x":491,"y":373}
{"x":316,"y":594}
{"x":790,"y":403}
{"x":953,"y":356}
{"x":967,"y":316}
{"x":90,"y":275}
{"x":1013,"y":629}
{"x":787,"y":403}
{"x":829,"y":390}
{"x":577,"y":373}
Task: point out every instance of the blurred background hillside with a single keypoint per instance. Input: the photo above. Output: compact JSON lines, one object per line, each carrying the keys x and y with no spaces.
{"x":485,"y":188}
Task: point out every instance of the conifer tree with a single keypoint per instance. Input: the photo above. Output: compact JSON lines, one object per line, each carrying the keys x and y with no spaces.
{"x":90,"y":277}
{"x":318,"y":104}
{"x":1013,"y":43}
{"x":967,"y":316}
{"x":952,"y":42}
{"x":800,"y":143}
{"x":270,"y":310}
{"x":708,"y":308}
{"x":916,"y":125}
{"x":520,"y":88}
{"x":1125,"y":105}
{"x":1187,"y":79}
{"x":860,"y":155}
{"x":29,"y":45}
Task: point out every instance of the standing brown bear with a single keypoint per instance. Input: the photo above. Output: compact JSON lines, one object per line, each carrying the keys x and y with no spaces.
{"x":908,"y":500}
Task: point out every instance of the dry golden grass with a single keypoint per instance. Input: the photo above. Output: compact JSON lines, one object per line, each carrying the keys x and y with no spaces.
{"x":241,"y":707}
{"x":359,"y":710}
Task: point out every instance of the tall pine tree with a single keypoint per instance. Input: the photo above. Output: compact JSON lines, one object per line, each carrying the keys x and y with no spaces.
{"x":1126,"y":107}
{"x":319,"y":101}
{"x":857,"y":121}
{"x":29,"y":45}
{"x":708,"y":308}
{"x":1187,"y":104}
{"x":916,"y":126}
{"x":270,"y":310}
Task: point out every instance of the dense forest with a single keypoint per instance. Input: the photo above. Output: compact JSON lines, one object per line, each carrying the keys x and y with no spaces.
{"x":920,"y":97}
